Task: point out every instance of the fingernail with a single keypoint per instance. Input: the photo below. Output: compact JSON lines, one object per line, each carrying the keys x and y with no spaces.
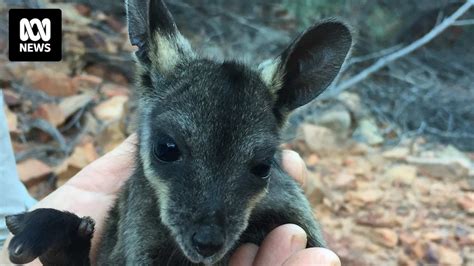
{"x":298,"y":241}
{"x":292,"y":155}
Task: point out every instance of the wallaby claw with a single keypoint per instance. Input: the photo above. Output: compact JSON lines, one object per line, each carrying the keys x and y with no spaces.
{"x":86,"y":227}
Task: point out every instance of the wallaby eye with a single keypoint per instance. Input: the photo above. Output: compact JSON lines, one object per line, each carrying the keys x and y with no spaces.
{"x":167,"y":151}
{"x":261,"y":170}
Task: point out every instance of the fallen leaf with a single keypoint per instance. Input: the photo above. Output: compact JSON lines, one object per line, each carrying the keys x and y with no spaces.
{"x":83,"y":155}
{"x":86,"y":82}
{"x":344,"y":180}
{"x":365,"y":196}
{"x":385,"y":237}
{"x":466,"y":202}
{"x":11,"y":98}
{"x":51,"y":82}
{"x":399,"y":153}
{"x":31,"y":171}
{"x":51,"y":113}
{"x":407,"y":239}
{"x":404,"y":174}
{"x":111,"y":109}
{"x":72,"y":104}
{"x":448,"y":256}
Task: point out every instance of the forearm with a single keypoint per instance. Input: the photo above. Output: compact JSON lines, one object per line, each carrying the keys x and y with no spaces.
{"x":4,"y":260}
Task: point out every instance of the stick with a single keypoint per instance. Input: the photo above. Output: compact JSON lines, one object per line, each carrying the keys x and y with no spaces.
{"x":382,"y":62}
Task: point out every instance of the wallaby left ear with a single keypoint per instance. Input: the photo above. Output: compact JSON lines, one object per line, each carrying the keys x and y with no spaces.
{"x":309,"y":65}
{"x":152,"y":29}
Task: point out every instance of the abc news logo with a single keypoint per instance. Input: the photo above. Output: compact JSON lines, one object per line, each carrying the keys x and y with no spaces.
{"x":35,"y":35}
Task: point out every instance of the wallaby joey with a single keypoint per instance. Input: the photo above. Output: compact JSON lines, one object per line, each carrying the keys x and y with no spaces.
{"x":207,"y":175}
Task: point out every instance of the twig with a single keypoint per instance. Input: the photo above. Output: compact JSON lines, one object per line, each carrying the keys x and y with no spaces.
{"x":378,"y":54}
{"x":36,"y":152}
{"x":46,"y":127}
{"x":382,"y":62}
{"x":464,"y":22}
{"x":74,"y":120}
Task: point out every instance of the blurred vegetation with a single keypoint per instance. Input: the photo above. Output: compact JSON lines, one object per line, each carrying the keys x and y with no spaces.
{"x":380,"y":17}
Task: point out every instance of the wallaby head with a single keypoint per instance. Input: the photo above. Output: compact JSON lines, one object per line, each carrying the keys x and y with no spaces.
{"x":209,"y":131}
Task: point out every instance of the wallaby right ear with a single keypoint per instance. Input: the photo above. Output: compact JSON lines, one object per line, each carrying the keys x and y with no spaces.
{"x":308,"y":66}
{"x":152,"y":29}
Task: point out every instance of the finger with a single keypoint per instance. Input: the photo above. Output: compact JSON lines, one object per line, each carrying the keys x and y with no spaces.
{"x":244,"y":255}
{"x":313,"y":256}
{"x":280,"y":244}
{"x":295,"y":166}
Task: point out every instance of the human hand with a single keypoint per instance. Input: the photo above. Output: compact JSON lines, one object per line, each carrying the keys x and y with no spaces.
{"x":92,"y":192}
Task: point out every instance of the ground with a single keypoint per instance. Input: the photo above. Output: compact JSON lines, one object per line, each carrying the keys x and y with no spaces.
{"x":380,"y":201}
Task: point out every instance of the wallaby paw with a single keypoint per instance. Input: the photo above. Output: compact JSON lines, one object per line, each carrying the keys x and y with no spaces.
{"x":48,"y":234}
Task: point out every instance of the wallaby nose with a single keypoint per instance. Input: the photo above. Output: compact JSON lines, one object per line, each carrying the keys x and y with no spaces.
{"x":208,"y":240}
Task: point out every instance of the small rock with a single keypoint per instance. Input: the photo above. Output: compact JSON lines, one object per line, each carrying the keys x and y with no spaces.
{"x":385,"y":237}
{"x":358,"y":166}
{"x":64,"y":173}
{"x":84,"y":10}
{"x":431,"y":253}
{"x":466,"y":202}
{"x":110,"y":90}
{"x":72,"y":104}
{"x":358,"y":148}
{"x":364,"y":196}
{"x":467,"y":184}
{"x":368,"y":132}
{"x":11,"y":98}
{"x":112,"y":109}
{"x":86,"y":82}
{"x":433,"y":236}
{"x":16,"y":70}
{"x":312,"y":160}
{"x":51,"y":82}
{"x":61,"y":168}
{"x":344,"y":181}
{"x":404,"y":260}
{"x":451,"y":152}
{"x":407,"y":239}
{"x":83,"y":155}
{"x":419,"y":250}
{"x":319,"y":139}
{"x":337,"y":119}
{"x":353,"y":102}
{"x":467,"y":240}
{"x":399,"y":153}
{"x":51,"y":113}
{"x":111,"y":136}
{"x":377,"y":219}
{"x":404,"y":174}
{"x":314,"y":190}
{"x":448,"y":256}
{"x":444,"y":168}
{"x":31,"y":171}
